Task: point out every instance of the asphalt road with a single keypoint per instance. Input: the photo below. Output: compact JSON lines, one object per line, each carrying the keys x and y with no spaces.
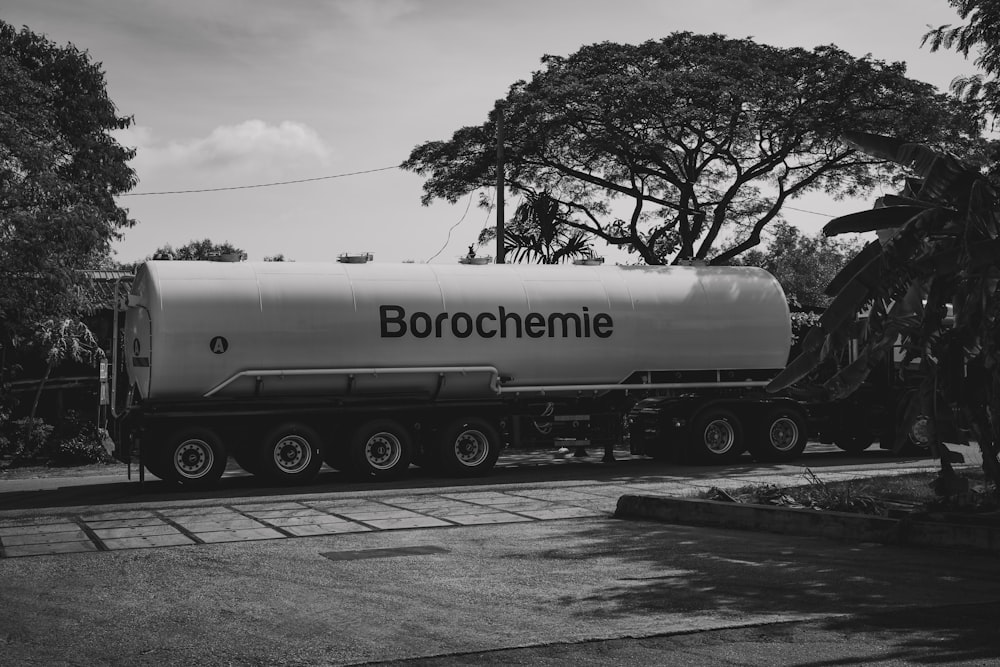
{"x":582,"y":591}
{"x":562,"y":591}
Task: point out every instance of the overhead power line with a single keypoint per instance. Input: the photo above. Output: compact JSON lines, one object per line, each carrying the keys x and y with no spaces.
{"x":327,"y":178}
{"x":258,"y":185}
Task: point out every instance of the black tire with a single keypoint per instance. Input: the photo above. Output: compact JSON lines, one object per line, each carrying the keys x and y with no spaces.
{"x":336,"y":456}
{"x":854,"y":443}
{"x":194,"y":457}
{"x":781,"y":436}
{"x":247,"y":459}
{"x":716,"y":437}
{"x":468,"y":447}
{"x":290,"y":453}
{"x":380,"y":449}
{"x":157,"y":465}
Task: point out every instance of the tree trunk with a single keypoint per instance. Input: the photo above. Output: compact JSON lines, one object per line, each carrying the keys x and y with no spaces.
{"x":38,"y":394}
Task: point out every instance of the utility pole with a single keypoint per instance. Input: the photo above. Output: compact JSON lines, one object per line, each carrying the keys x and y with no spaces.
{"x":500,"y":183}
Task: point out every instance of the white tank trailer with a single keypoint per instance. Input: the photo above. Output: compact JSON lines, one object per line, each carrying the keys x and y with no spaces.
{"x":372,"y":367}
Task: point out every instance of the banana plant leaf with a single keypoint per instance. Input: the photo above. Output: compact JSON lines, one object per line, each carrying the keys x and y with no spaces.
{"x":851,"y":377}
{"x":902,"y":200}
{"x":983,"y":209}
{"x":946,"y":180}
{"x":872,"y":220}
{"x":876,"y":145}
{"x":858,"y":262}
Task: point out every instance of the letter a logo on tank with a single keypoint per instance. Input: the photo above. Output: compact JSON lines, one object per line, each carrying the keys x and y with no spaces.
{"x":219,"y":345}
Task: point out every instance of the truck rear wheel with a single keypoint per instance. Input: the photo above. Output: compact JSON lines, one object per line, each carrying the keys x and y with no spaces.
{"x":469,"y":447}
{"x":854,"y":443}
{"x":716,"y":437}
{"x":195,"y":457}
{"x":157,"y":465}
{"x":781,"y":436}
{"x":380,"y":448}
{"x":853,"y":437}
{"x":247,"y":459}
{"x":335,"y":456}
{"x":291,"y":453}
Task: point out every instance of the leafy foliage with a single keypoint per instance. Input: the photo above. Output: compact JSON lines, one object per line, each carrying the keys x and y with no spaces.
{"x":669,"y":147}
{"x":204,"y":250}
{"x":932,"y":285}
{"x":538,"y":232}
{"x":981,"y":34}
{"x":60,"y":340}
{"x":60,"y":170}
{"x":804,"y":265}
{"x":25,"y":439}
{"x":76,"y":440}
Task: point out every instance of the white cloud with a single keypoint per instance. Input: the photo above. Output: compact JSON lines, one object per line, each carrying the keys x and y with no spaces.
{"x":250,"y":148}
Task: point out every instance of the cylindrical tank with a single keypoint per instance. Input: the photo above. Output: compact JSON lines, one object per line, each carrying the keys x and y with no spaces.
{"x":193,"y":328}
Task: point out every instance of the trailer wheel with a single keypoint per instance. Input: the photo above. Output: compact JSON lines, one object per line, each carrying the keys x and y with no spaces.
{"x":195,"y":457}
{"x":853,"y":437}
{"x":781,"y":436}
{"x":291,"y":453}
{"x":158,"y":466}
{"x":335,"y":456}
{"x":716,"y":437}
{"x":381,"y":449}
{"x":247,"y":459}
{"x":469,"y":447}
{"x":854,"y":443}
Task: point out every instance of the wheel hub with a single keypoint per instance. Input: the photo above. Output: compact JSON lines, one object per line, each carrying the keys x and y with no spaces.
{"x":719,"y":437}
{"x":194,"y":458}
{"x":292,"y":454}
{"x":471,"y":447}
{"x":383,"y":450}
{"x":784,"y":434}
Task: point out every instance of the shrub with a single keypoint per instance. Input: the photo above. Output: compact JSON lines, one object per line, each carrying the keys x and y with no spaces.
{"x":75,"y":441}
{"x":26,"y":438}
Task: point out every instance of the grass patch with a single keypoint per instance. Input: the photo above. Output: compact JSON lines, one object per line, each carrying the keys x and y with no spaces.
{"x":891,"y":495}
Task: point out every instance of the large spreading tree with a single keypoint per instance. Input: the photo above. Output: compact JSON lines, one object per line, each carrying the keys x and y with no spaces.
{"x":687,"y":147}
{"x":60,"y":169}
{"x":979,"y":35}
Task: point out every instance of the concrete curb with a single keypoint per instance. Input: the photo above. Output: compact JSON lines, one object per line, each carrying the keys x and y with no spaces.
{"x":793,"y":521}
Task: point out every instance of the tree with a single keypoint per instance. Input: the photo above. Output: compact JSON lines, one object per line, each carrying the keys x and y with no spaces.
{"x":804,"y":265}
{"x":671,"y":146}
{"x":929,"y":284}
{"x":538,"y":233}
{"x":204,"y":250}
{"x":60,"y":170}
{"x":982,"y":34}
{"x":61,"y":340}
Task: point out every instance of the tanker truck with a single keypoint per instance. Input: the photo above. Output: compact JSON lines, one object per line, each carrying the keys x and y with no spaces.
{"x":372,"y":367}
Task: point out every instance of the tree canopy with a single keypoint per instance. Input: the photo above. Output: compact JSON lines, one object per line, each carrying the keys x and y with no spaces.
{"x":804,"y":265}
{"x":204,"y":250}
{"x":60,"y":170}
{"x":981,"y":35}
{"x":673,"y":148}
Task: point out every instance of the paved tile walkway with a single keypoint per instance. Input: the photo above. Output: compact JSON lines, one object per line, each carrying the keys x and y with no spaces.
{"x":240,"y":520}
{"x":278,"y":519}
{"x":134,"y":529}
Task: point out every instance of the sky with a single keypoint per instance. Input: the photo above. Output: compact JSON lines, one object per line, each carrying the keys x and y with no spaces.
{"x":233,"y":93}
